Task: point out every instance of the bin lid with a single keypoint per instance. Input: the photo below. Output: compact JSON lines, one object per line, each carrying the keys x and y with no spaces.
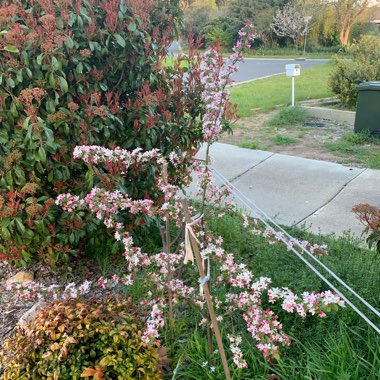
{"x":371,"y":86}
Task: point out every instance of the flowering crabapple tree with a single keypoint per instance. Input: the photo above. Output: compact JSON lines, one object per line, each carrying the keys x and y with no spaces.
{"x":243,"y":294}
{"x":164,"y":279}
{"x":291,"y":21}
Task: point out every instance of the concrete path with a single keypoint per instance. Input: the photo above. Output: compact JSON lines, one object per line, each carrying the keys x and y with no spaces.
{"x":300,"y":191}
{"x":255,"y":68}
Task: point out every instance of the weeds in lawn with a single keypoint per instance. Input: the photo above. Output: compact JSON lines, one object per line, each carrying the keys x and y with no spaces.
{"x":373,"y":161}
{"x":251,"y":145}
{"x":360,"y":148}
{"x":345,"y":147}
{"x":283,"y":140}
{"x":288,"y":116}
{"x":345,"y":354}
{"x":360,"y":138}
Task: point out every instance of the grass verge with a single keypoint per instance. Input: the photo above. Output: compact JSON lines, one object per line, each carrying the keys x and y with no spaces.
{"x":266,"y":94}
{"x":359,"y":148}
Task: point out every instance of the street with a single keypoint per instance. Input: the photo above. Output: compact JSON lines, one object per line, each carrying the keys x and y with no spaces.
{"x":254,"y":68}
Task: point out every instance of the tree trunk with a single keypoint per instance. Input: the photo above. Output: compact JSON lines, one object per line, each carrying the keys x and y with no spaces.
{"x":296,"y":43}
{"x":343,"y":35}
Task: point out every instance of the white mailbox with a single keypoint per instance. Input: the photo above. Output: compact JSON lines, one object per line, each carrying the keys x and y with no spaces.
{"x":293,"y":70}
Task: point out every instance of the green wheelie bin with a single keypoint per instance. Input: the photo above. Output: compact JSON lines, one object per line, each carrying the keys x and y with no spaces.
{"x":368,"y":109}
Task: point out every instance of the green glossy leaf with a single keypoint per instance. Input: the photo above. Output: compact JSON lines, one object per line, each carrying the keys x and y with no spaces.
{"x":3,"y":136}
{"x":19,"y":76}
{"x":11,"y":49}
{"x":132,"y":27}
{"x":79,"y":68}
{"x":39,"y":59}
{"x":103,"y":86}
{"x":10,"y":82}
{"x":28,"y":72}
{"x":20,"y":227}
{"x":63,"y":84}
{"x":5,"y":234}
{"x":120,"y":40}
{"x":52,"y":81}
{"x":26,"y":123}
{"x":55,"y":64}
{"x":69,"y":42}
{"x":42,"y":154}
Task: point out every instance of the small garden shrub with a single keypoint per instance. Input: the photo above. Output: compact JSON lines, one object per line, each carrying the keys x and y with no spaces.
{"x":72,"y":340}
{"x":82,"y":73}
{"x":363,"y":67}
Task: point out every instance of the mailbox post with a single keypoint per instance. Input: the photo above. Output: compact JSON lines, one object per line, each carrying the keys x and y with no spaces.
{"x":293,"y":70}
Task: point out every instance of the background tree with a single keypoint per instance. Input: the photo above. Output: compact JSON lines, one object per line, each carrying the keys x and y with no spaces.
{"x":185,"y":4}
{"x":348,"y":12}
{"x":291,"y":22}
{"x":196,"y":18}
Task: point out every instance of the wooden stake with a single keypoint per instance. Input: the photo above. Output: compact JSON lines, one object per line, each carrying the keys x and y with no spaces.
{"x":207,"y":295}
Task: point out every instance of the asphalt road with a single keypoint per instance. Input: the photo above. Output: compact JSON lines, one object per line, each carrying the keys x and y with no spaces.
{"x":254,"y":68}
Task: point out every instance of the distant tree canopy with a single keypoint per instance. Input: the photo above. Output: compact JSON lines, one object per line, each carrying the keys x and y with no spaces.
{"x":222,"y":19}
{"x":332,"y":21}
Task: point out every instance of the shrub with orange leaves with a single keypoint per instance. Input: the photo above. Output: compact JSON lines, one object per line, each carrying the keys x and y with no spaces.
{"x":370,"y":217}
{"x":72,"y":340}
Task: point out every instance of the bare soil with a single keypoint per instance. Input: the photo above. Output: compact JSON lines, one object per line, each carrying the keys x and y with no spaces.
{"x":12,"y":308}
{"x":326,"y":143}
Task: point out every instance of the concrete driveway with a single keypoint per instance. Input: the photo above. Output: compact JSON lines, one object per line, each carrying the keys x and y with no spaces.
{"x":254,"y":68}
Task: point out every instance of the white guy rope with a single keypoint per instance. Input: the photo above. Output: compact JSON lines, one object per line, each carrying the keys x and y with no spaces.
{"x":252,"y":206}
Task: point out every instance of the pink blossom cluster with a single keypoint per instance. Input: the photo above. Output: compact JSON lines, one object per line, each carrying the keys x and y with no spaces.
{"x":238,"y":358}
{"x":31,"y":290}
{"x":274,"y":237}
{"x":106,"y":204}
{"x":206,"y":181}
{"x":246,"y":296}
{"x":98,"y":154}
{"x":308,"y":302}
{"x":215,"y":77}
{"x":155,"y":321}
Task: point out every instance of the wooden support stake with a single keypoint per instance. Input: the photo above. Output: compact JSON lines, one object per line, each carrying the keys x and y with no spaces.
{"x":207,"y":294}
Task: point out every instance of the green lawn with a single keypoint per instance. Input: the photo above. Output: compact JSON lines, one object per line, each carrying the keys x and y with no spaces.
{"x":266,"y":94}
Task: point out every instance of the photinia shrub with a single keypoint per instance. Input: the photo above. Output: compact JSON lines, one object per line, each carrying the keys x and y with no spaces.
{"x":84,"y":72}
{"x":73,"y":339}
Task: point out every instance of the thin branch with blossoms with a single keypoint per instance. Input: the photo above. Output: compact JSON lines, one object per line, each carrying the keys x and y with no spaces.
{"x":273,"y":237}
{"x":216,"y":76}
